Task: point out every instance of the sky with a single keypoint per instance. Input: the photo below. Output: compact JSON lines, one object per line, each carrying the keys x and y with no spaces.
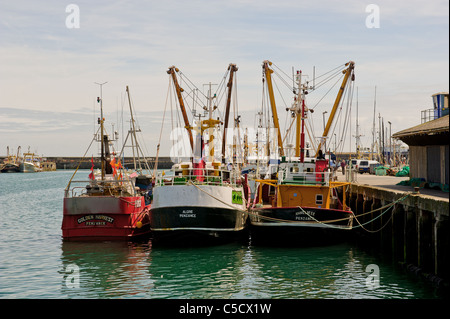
{"x":48,"y":67}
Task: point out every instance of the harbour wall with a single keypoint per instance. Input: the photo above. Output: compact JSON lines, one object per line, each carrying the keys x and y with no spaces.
{"x":85,"y":163}
{"x":64,"y":162}
{"x":411,"y":229}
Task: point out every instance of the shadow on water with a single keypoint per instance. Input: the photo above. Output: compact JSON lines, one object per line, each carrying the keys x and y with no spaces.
{"x":232,"y":270}
{"x":190,"y":239}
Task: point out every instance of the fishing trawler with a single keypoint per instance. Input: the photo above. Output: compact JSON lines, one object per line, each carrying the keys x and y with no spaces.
{"x":300,"y":204}
{"x":112,"y":204}
{"x":31,"y":163}
{"x":11,"y":164}
{"x":202,"y":198}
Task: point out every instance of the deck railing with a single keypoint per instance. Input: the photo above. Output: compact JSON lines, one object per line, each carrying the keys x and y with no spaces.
{"x":304,"y":178}
{"x":199,"y":176}
{"x":101,"y":186}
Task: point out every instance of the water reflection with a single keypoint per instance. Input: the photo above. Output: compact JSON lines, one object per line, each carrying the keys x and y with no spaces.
{"x":107,"y":269}
{"x":140,"y":270}
{"x":196,"y":272}
{"x":297,"y":272}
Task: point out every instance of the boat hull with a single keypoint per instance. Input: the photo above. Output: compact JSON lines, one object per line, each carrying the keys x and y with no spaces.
{"x":105,"y":217}
{"x":195,"y":223}
{"x":10,"y":168}
{"x":188,"y":212}
{"x":28,"y":168}
{"x":305,"y":226}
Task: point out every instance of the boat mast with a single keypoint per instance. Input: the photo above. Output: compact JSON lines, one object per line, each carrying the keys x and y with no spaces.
{"x":178,"y":89}
{"x":268,"y":74}
{"x":347,"y":72}
{"x":134,"y":133}
{"x":299,"y":135}
{"x":210,"y":127}
{"x":299,"y":110}
{"x":100,"y":100}
{"x":232,"y":68}
{"x":209,"y":123}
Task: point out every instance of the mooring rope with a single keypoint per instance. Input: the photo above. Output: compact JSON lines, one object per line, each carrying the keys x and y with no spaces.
{"x":326,"y":222}
{"x":389,"y":206}
{"x":239,"y":209}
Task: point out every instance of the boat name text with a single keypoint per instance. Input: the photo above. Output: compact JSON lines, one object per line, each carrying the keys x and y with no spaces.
{"x":188,"y":213}
{"x":304,"y":215}
{"x":99,"y":220}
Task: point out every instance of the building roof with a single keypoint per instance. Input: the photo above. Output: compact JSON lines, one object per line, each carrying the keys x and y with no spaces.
{"x":435,"y":132}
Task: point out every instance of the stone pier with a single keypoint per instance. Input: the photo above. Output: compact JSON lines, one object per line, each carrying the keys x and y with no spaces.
{"x":412,"y":230}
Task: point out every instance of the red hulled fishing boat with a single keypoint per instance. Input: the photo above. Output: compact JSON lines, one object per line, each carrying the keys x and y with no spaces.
{"x":110,"y":204}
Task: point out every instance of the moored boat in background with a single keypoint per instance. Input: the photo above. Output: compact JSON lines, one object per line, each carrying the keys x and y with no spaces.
{"x":11,"y":164}
{"x":31,"y":163}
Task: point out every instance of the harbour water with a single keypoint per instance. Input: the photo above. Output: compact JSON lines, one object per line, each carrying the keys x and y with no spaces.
{"x":35,"y":263}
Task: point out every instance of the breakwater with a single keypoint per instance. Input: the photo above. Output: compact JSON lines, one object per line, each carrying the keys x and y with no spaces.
{"x":73,"y":162}
{"x":410,"y":228}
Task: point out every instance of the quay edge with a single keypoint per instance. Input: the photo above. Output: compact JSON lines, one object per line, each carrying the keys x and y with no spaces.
{"x":414,"y":233}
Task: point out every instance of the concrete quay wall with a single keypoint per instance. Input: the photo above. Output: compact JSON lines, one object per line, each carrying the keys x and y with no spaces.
{"x":410,"y":228}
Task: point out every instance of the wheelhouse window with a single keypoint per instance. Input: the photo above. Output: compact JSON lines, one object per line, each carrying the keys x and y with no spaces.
{"x":319,"y":199}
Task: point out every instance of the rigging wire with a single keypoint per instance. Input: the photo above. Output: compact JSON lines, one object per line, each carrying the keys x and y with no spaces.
{"x":334,"y":74}
{"x":338,"y":80}
{"x":198,"y":99}
{"x":161,"y":131}
{"x":340,"y":67}
{"x":347,"y":117}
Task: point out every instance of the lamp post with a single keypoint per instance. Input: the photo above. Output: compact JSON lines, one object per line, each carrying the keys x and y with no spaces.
{"x":390,"y":144}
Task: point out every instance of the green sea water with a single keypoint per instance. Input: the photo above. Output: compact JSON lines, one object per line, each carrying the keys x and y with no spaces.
{"x":35,"y":263}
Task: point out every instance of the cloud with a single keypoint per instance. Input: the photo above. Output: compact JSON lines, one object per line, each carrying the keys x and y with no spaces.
{"x":49,"y":68}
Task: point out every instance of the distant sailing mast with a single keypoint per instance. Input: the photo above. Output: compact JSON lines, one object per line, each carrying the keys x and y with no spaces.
{"x":136,"y":149}
{"x":357,"y":135}
{"x":373,"y":126}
